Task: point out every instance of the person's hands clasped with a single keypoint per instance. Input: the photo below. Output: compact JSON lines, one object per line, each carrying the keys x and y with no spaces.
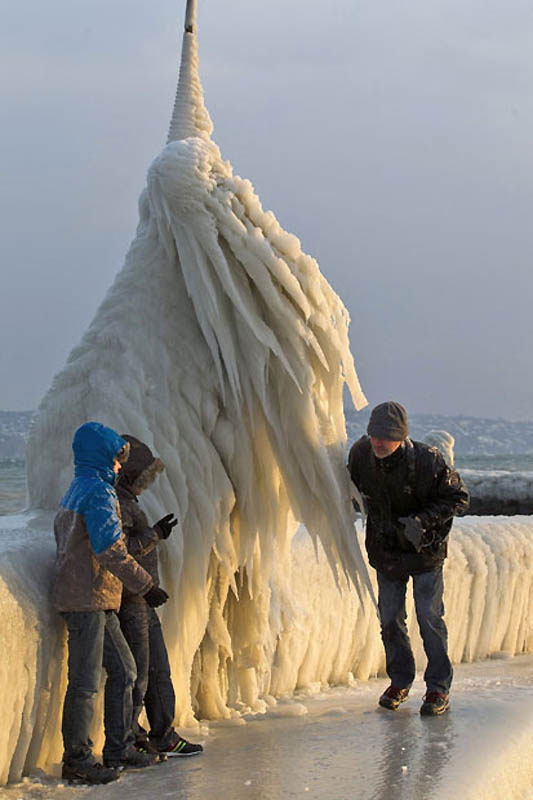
{"x":165,"y":525}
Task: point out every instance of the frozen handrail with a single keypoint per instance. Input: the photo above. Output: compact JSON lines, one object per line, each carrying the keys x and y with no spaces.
{"x":189,"y":116}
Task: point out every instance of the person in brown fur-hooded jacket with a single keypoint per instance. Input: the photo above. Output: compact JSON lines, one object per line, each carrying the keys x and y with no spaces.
{"x":139,"y":622}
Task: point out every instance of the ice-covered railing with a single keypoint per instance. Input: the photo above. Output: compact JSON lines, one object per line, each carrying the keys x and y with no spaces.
{"x":499,"y":491}
{"x":223,"y":347}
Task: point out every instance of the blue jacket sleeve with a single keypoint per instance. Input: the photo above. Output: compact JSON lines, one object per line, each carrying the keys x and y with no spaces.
{"x":102,"y":518}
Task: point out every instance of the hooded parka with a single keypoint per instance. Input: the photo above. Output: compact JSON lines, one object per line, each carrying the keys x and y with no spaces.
{"x":139,"y":472}
{"x":92,"y":561}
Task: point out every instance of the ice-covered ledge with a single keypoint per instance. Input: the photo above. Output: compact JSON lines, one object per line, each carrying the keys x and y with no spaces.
{"x":328,"y":639}
{"x":499,"y":492}
{"x":32,"y":636}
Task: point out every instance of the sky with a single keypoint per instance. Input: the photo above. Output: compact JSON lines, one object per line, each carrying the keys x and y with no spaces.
{"x":393,"y":138}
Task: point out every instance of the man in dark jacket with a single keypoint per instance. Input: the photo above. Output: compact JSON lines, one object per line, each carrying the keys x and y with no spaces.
{"x":92,"y":564}
{"x":140,"y":624}
{"x":411,"y":496}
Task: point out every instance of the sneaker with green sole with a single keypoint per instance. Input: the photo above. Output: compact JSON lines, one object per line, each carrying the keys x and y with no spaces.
{"x":182,"y":748}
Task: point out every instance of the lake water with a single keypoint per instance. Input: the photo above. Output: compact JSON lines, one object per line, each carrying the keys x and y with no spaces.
{"x":13,"y":475}
{"x":12,"y":486}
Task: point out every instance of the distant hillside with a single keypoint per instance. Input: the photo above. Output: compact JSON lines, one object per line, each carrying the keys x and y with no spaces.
{"x":473,"y":435}
{"x":14,"y":430}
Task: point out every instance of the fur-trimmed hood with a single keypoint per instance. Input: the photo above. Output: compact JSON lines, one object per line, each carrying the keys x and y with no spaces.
{"x":141,"y":468}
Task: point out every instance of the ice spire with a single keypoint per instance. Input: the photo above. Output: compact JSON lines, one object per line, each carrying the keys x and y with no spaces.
{"x":189,"y":116}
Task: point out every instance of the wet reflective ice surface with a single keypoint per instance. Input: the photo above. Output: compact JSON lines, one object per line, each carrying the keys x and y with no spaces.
{"x":346,"y":748}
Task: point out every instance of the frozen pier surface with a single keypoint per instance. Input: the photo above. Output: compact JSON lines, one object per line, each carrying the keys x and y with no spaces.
{"x":338,"y":745}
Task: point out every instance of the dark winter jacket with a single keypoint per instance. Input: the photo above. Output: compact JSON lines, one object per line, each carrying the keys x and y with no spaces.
{"x":141,"y":539}
{"x":413,"y":481}
{"x":92,"y":562}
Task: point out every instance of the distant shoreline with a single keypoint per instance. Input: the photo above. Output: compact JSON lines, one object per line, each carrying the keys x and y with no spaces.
{"x":474,"y":436}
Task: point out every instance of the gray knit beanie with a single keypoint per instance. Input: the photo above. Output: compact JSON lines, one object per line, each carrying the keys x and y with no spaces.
{"x":388,"y":421}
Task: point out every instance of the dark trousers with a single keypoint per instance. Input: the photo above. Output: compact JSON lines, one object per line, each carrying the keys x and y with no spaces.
{"x":133,"y":618}
{"x":95,"y":640}
{"x":142,"y":630}
{"x":428,"y":590}
{"x":160,"y":700}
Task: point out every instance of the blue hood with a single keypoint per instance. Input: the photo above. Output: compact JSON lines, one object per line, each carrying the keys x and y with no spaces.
{"x":95,"y":447}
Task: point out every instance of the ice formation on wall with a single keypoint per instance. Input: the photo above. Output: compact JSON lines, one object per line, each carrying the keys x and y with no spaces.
{"x":223,"y":347}
{"x":331,"y":639}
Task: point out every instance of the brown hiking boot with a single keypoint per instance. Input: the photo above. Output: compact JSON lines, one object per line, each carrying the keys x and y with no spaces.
{"x":392,"y":697}
{"x":90,"y":772}
{"x":435,"y":703}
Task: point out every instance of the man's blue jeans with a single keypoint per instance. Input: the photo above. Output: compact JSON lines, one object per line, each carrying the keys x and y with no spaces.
{"x":95,"y":640}
{"x":428,"y":590}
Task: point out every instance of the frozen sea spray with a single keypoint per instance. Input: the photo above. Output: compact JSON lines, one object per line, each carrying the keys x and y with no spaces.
{"x":223,"y":347}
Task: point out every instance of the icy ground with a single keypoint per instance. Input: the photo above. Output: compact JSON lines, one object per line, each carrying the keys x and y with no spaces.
{"x":338,"y":745}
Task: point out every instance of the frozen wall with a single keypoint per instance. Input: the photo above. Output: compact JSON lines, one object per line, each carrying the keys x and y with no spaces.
{"x":325,"y":636}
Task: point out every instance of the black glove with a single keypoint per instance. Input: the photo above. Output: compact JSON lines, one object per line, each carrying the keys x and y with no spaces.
{"x":165,"y":525}
{"x":156,"y":596}
{"x":413,"y":531}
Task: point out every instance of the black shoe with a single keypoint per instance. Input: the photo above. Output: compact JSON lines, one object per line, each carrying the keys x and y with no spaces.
{"x":89,"y":773}
{"x":435,"y":703}
{"x":181,"y":748}
{"x":145,"y":746}
{"x":132,"y":759}
{"x":393,"y":697}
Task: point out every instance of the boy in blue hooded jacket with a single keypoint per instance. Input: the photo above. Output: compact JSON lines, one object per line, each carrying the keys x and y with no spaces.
{"x":92,"y":565}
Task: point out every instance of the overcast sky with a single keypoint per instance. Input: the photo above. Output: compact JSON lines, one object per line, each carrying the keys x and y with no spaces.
{"x":393,"y":138}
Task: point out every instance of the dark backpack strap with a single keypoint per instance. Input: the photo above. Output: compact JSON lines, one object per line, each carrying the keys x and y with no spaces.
{"x":411,"y":466}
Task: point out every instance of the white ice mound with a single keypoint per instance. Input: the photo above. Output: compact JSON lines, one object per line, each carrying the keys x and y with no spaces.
{"x":224,"y":348}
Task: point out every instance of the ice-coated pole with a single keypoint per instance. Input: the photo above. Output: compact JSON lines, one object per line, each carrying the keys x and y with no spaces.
{"x":189,"y":117}
{"x":190,"y":16}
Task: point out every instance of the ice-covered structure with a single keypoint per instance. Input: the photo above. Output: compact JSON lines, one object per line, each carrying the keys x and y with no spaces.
{"x":499,"y":492}
{"x":223,"y":347}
